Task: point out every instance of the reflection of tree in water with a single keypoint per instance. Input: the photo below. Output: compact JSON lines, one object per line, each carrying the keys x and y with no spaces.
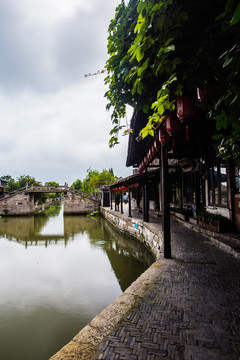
{"x":17,"y":228}
{"x":80,"y":224}
{"x":128,"y":258}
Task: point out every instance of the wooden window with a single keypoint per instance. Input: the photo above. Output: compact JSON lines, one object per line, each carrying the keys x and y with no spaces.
{"x":188,"y":187}
{"x":217,"y":185}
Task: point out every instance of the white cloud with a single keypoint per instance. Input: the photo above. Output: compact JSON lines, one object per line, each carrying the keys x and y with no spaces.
{"x":54,"y":125}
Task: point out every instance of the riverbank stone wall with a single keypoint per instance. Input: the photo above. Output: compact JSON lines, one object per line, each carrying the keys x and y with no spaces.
{"x":77,"y":204}
{"x":138,"y":229}
{"x":19,"y":204}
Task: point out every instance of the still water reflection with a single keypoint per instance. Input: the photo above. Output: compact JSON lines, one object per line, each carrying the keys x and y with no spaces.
{"x":57,"y":273}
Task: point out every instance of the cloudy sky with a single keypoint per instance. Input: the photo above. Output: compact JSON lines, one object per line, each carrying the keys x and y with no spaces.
{"x":54,"y":124}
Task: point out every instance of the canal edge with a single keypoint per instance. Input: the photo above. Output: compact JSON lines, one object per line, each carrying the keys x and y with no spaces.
{"x":86,"y":343}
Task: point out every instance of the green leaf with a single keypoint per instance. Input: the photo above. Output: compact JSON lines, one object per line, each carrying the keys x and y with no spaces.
{"x":145,"y":108}
{"x":227,"y":62}
{"x":139,"y":54}
{"x":143,"y":67}
{"x":217,"y":136}
{"x":161,"y":109}
{"x":236,"y":16}
{"x":169,"y":48}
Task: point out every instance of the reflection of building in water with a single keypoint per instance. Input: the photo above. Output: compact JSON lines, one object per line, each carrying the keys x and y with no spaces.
{"x":127,"y":257}
{"x":18,"y":228}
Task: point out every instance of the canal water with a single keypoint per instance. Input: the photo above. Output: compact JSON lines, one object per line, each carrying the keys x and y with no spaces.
{"x":56,"y":273}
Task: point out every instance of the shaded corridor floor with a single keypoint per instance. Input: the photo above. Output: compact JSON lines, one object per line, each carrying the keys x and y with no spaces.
{"x":190,"y":312}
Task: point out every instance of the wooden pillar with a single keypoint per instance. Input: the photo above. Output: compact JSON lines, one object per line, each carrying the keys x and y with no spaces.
{"x":165,"y":204}
{"x":111,"y":198}
{"x":121,"y":202}
{"x":143,"y":194}
{"x":115,"y":201}
{"x":231,"y":186}
{"x":197,"y":191}
{"x":129,"y":204}
{"x":145,"y":204}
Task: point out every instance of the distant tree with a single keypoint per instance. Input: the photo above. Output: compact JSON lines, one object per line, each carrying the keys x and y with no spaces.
{"x":106,"y":177}
{"x":52,"y":195}
{"x":77,"y":184}
{"x":111,"y":171}
{"x":93,"y":180}
{"x":12,"y":186}
{"x":6,"y":177}
{"x":52,"y":183}
{"x":24,"y":180}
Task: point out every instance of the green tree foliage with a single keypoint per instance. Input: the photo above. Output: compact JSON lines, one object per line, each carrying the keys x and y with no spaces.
{"x":24,"y":180}
{"x":52,"y":195}
{"x":12,"y":186}
{"x":160,"y":49}
{"x":93,"y":180}
{"x":21,"y":181}
{"x":77,"y":184}
{"x":6,"y":177}
{"x":111,"y":171}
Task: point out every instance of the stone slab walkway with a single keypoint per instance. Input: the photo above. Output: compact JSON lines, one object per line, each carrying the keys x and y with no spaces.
{"x":191,"y":311}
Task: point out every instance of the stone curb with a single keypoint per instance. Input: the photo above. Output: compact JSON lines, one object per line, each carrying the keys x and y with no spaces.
{"x":85,"y":344}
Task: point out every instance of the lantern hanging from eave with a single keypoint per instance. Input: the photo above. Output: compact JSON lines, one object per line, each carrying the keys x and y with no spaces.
{"x":173,"y":124}
{"x":185,"y":107}
{"x":123,"y":188}
{"x":135,"y":185}
{"x":163,"y":135}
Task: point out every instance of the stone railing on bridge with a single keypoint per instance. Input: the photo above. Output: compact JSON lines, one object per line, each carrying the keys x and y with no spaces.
{"x":21,"y":201}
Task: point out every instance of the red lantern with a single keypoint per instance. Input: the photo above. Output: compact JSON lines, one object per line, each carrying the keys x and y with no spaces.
{"x":163,"y":135}
{"x":185,"y":107}
{"x":172,"y":123}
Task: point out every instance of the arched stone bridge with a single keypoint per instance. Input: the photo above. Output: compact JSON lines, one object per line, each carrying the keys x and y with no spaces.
{"x":21,"y":202}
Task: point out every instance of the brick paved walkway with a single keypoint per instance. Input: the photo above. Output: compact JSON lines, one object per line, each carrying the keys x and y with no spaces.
{"x":190,"y":312}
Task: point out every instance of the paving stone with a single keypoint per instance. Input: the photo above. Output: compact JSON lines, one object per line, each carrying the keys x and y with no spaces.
{"x":191,"y":311}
